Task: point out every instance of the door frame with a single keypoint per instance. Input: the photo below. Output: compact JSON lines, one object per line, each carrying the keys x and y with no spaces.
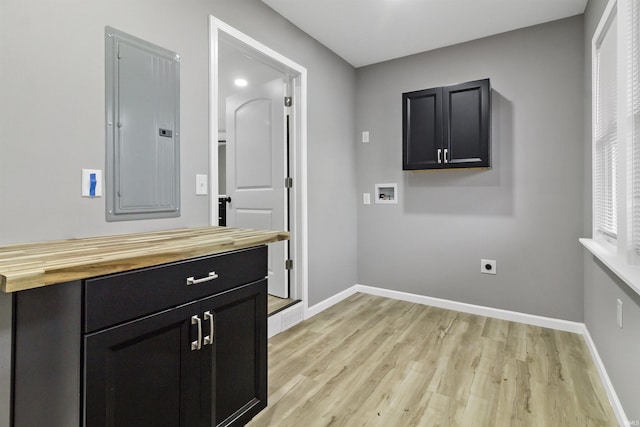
{"x":298,"y":146}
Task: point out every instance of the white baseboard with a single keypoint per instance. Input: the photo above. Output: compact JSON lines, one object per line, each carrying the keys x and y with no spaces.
{"x":606,"y":381}
{"x":274,"y":325}
{"x":322,"y":306}
{"x":283,"y":320}
{"x":496,"y":313}
{"x":514,"y":316}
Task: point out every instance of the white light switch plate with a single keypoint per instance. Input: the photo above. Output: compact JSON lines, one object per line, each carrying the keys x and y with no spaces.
{"x":366,"y":198}
{"x":202,"y":187}
{"x":86,"y":182}
{"x":619,"y":313}
{"x":365,"y":136}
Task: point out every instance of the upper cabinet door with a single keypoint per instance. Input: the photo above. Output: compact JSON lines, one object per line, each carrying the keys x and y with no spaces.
{"x":422,"y":129}
{"x":466,"y":124}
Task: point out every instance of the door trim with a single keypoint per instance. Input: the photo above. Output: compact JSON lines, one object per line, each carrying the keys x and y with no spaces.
{"x":298,"y":196}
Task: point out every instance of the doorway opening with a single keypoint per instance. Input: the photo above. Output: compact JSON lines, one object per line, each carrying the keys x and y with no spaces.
{"x":258,"y":156}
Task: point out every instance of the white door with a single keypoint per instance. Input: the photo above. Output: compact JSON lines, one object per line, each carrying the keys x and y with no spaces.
{"x":256,"y":153}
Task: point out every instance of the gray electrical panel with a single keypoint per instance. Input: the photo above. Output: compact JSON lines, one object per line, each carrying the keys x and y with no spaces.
{"x":142,"y":129}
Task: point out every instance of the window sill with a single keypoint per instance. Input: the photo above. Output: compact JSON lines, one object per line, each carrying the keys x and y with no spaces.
{"x":629,"y":274}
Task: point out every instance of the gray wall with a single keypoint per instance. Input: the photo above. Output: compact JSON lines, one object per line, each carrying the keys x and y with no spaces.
{"x":52,"y":121}
{"x":536,"y":198}
{"x":618,"y":348}
{"x":526,"y":212}
{"x":52,"y":108}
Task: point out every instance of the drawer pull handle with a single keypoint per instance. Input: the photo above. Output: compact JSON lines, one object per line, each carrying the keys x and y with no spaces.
{"x":209,"y":338}
{"x":197,"y":344}
{"x":193,"y":281}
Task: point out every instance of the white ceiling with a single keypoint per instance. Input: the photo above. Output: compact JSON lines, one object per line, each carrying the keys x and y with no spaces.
{"x":365,"y":32}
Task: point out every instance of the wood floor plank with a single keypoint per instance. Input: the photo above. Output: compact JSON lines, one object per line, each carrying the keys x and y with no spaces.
{"x":516,"y":343}
{"x":372,"y":361}
{"x":276,"y":304}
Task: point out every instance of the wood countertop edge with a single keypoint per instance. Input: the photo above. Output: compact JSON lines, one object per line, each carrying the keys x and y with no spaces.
{"x":117,"y":262}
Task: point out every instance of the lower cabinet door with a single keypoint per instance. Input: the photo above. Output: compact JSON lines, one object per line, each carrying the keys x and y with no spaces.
{"x":199,"y":364}
{"x":234,"y":371}
{"x":144,"y":373}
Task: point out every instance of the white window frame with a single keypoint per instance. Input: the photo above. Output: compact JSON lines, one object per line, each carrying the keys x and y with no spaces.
{"x":632,"y":124}
{"x":603,"y":230}
{"x":617,"y":252}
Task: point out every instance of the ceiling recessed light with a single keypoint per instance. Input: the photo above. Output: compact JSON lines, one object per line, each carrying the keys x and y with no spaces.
{"x":240,"y":82}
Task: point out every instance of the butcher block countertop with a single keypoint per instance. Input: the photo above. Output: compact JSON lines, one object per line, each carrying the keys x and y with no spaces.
{"x":32,"y":265}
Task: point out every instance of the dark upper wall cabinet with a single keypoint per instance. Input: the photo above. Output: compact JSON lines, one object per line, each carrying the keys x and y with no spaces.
{"x":447,"y":127}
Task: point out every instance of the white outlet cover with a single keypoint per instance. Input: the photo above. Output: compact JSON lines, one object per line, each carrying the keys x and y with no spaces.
{"x":86,"y":183}
{"x":488,"y":266}
{"x":365,"y":136}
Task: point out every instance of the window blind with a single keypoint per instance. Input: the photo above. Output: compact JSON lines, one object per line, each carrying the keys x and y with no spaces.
{"x":605,"y":133}
{"x":633,"y":109}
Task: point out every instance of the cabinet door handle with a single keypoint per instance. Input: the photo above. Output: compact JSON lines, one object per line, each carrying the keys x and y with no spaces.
{"x":209,"y":338}
{"x":439,"y":155}
{"x":446,"y":155}
{"x":192,"y":281}
{"x":197,"y":344}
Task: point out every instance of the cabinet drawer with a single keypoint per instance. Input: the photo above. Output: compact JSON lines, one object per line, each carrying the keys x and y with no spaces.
{"x":117,"y":298}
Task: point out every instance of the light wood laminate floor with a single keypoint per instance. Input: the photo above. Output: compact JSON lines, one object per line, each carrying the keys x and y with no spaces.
{"x":372,"y":361}
{"x":276,"y":304}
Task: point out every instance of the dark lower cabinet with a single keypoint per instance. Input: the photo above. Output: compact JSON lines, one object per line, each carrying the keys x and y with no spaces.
{"x":234,"y":369}
{"x":194,"y":355}
{"x":199,"y":364}
{"x":143,"y":373}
